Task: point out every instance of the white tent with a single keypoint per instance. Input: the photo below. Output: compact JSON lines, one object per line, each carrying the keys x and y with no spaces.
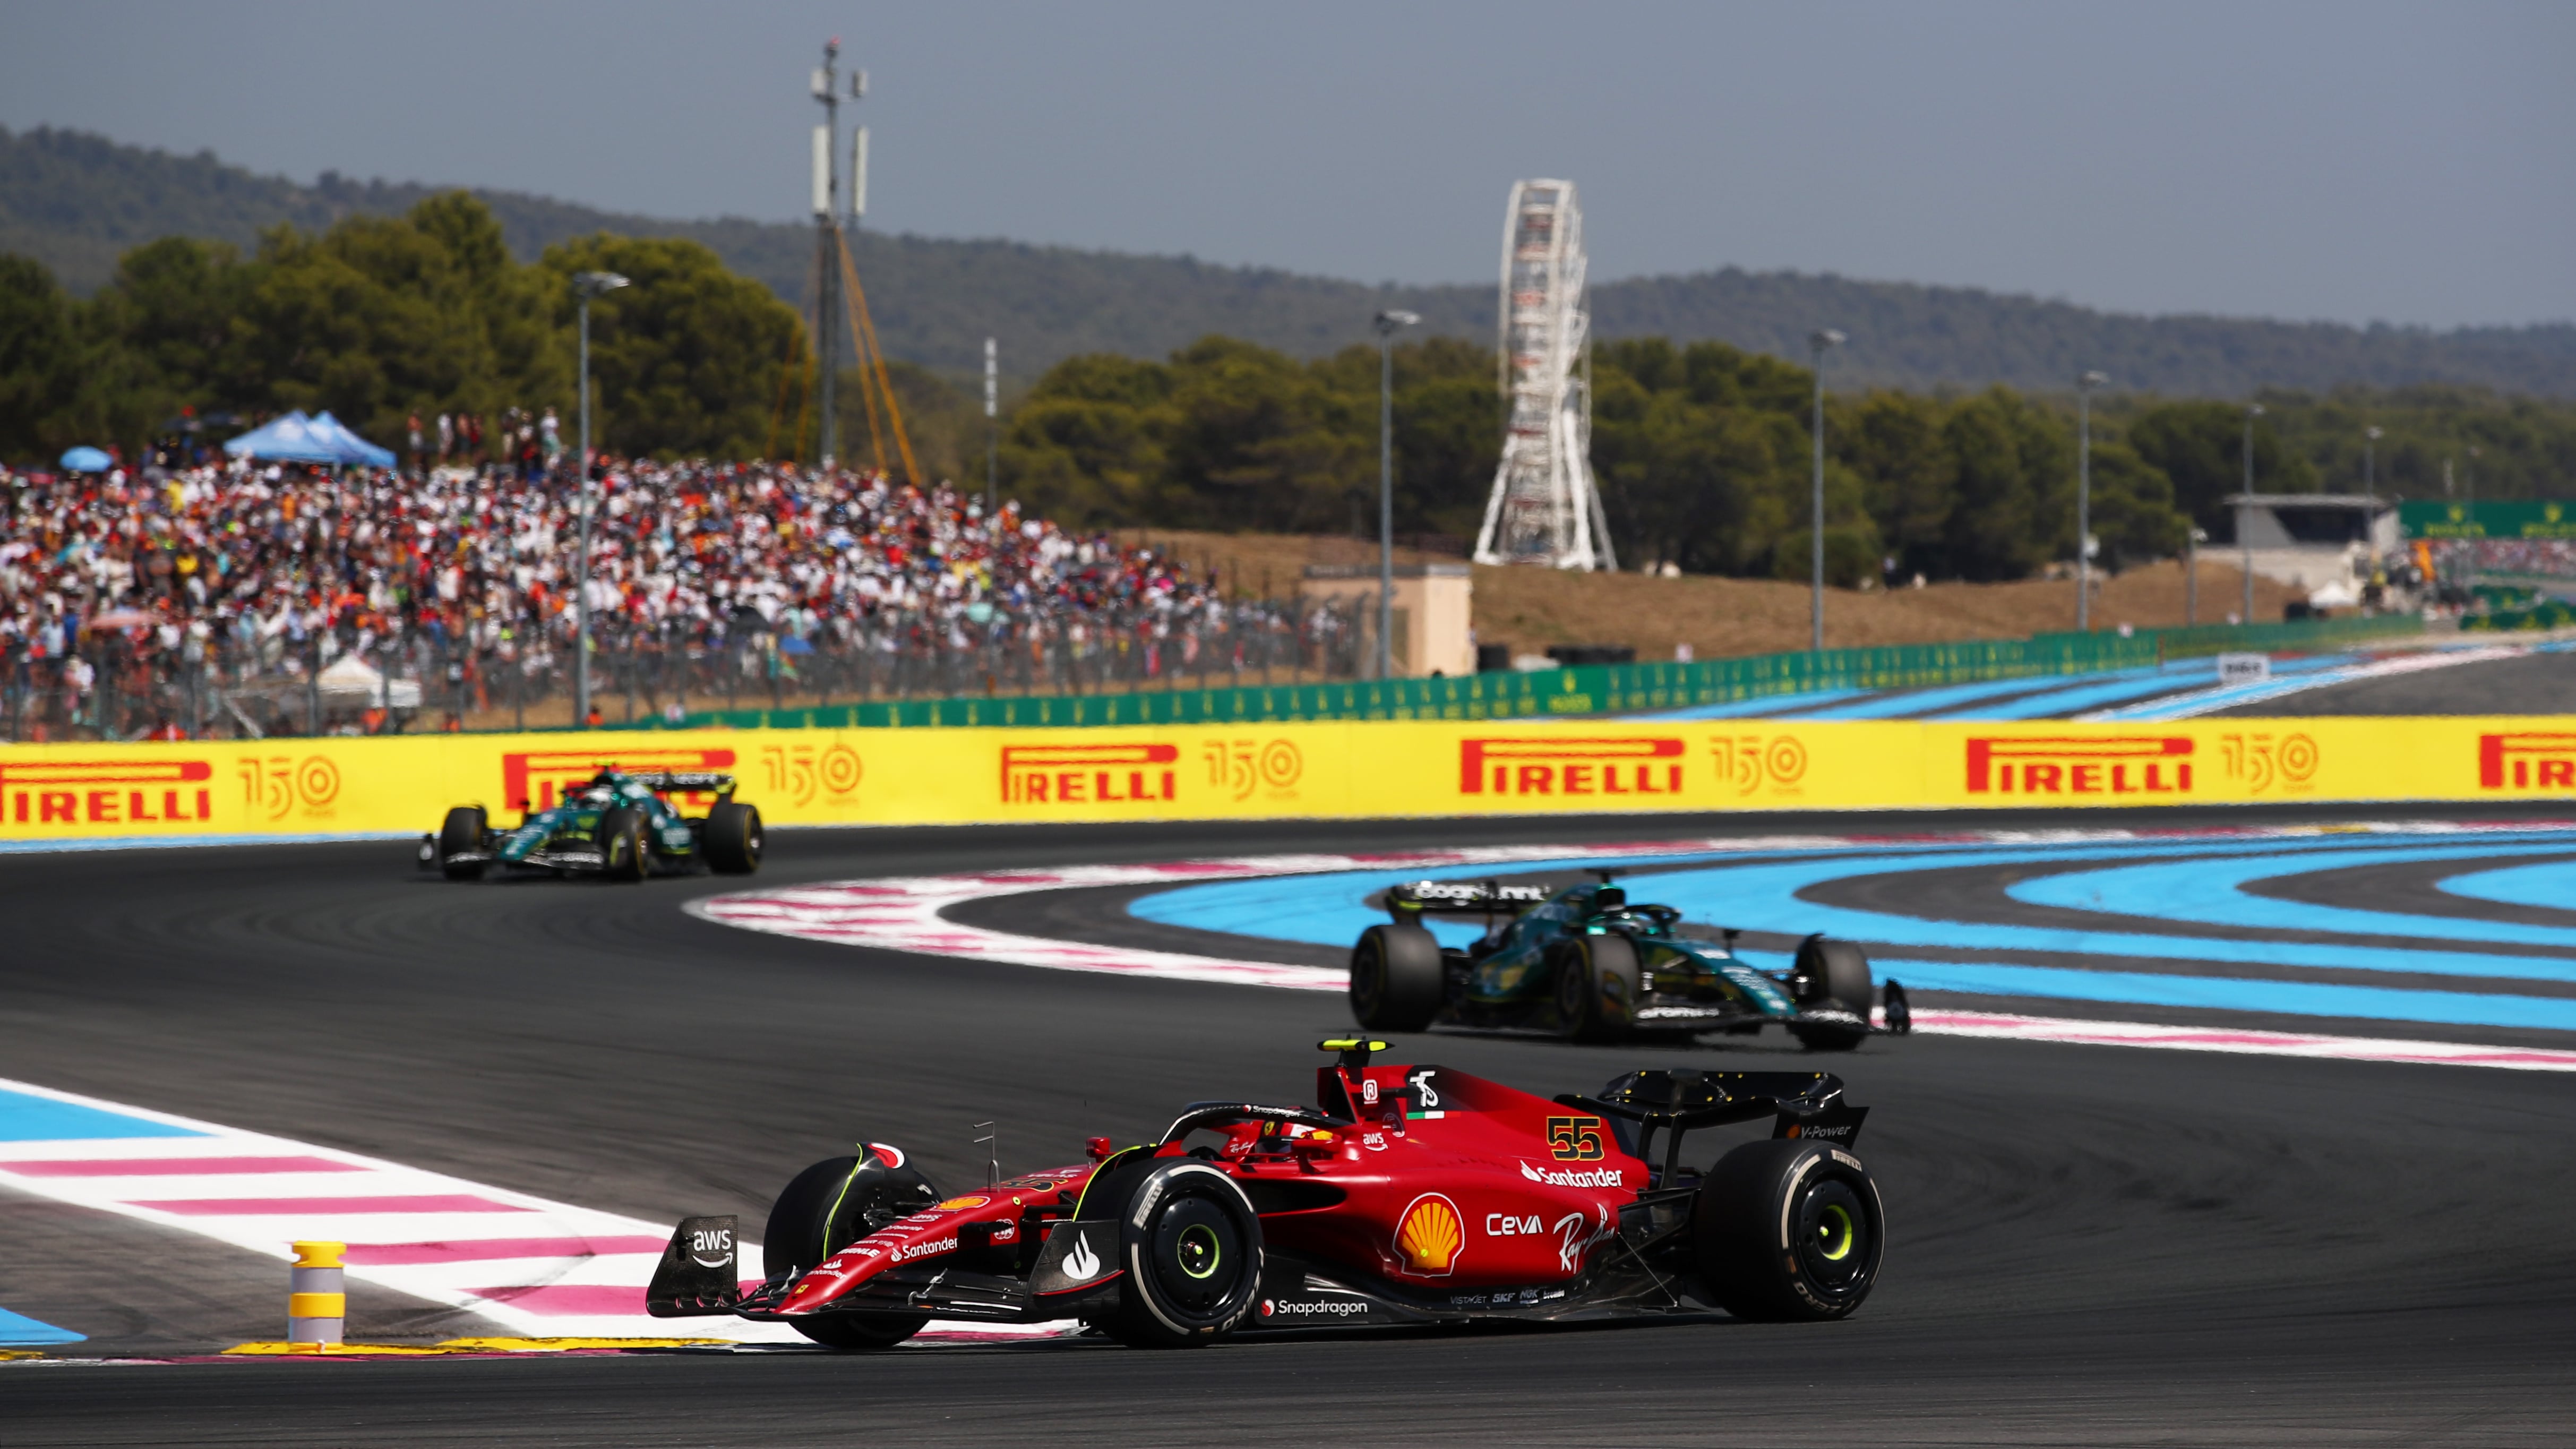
{"x":351,"y":682}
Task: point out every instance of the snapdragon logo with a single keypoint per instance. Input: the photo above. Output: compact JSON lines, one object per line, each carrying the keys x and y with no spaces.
{"x":1588,"y":1177}
{"x":1312,"y":1307}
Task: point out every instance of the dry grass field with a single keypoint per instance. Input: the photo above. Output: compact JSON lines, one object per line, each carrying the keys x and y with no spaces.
{"x":1530,"y":609}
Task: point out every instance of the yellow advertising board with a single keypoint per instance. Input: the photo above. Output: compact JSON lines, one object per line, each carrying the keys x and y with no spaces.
{"x":331,"y":786}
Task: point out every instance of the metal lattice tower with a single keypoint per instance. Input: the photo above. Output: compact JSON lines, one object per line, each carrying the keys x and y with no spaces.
{"x":1544,"y":508}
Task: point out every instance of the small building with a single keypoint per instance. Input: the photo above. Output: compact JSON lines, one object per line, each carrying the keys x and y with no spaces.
{"x":2313,"y":540}
{"x":1434,"y":618}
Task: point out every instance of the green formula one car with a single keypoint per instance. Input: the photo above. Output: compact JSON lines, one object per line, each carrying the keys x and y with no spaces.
{"x":1585,"y":964}
{"x":620,"y":826}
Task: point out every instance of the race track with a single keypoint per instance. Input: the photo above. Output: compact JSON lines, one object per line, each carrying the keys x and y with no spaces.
{"x":2088,"y":1244}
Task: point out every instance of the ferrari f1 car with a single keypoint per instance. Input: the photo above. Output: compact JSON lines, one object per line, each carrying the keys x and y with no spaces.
{"x":1405,"y":1195}
{"x":620,"y":826}
{"x":1584,"y":963}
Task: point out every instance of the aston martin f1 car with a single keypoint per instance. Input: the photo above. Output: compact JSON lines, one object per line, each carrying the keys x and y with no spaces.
{"x":620,"y":826}
{"x":1585,"y":963}
{"x":1404,"y":1195}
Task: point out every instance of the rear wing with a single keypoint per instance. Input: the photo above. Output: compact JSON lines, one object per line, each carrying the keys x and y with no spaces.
{"x":1413,"y":899}
{"x":688,"y":781}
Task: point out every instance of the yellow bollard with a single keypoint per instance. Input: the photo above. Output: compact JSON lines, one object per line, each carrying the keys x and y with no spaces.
{"x":317,"y":1305}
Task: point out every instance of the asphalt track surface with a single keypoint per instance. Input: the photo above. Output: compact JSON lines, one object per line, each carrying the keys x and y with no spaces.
{"x":2087,"y":1245}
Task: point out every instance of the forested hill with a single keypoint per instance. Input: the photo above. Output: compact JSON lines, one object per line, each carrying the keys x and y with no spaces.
{"x":76,"y":202}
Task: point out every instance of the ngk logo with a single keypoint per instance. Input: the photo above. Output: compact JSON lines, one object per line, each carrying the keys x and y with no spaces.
{"x":2114,"y":765}
{"x":539,"y":776}
{"x":1083,"y":774}
{"x":107,"y":792}
{"x":1646,"y":766}
{"x":2527,"y":762}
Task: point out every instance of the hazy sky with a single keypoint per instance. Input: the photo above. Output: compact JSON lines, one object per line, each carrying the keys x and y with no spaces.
{"x":2347,"y":161}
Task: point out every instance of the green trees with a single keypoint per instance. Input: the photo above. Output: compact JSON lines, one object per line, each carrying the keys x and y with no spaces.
{"x":379,"y":318}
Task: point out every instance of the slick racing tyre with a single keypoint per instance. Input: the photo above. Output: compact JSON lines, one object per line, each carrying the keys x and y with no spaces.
{"x":828,"y":1206}
{"x":621,"y":846}
{"x":1831,"y":976}
{"x":1191,"y":1247}
{"x":1595,"y":984}
{"x":1787,"y":1230}
{"x":733,"y":838}
{"x":1398,"y":978}
{"x":459,"y":834}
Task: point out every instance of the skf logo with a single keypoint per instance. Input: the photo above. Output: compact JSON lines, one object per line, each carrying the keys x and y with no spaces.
{"x":2527,"y":762}
{"x":1429,"y":1236}
{"x":1083,"y":774}
{"x":1570,"y":767}
{"x":2118,"y":765}
{"x":107,"y":792}
{"x":538,"y":776}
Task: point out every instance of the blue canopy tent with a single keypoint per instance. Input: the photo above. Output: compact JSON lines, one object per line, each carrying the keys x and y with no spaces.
{"x":296,"y":438}
{"x":87,"y":460}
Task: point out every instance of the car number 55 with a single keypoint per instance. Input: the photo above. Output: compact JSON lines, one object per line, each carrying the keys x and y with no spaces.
{"x":1574,"y":1139}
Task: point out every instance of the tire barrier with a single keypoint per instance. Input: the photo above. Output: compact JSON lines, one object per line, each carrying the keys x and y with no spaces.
{"x":308,"y":788}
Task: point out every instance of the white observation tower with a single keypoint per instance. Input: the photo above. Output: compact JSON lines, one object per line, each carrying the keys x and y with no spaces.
{"x":1544,"y":508}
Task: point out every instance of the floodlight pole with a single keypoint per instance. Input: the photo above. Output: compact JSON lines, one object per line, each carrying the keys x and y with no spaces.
{"x":2370,"y":462}
{"x":586,"y":285}
{"x":2244,"y":535}
{"x":1388,"y":323}
{"x":992,"y":416}
{"x":2084,"y":385}
{"x":1817,"y":342}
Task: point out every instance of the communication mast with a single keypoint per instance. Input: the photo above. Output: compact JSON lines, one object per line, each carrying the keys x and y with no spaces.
{"x":1545,"y":508}
{"x":827,"y":227}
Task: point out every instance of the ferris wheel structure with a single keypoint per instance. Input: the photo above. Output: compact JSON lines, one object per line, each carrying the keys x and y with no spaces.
{"x":1545,"y":508}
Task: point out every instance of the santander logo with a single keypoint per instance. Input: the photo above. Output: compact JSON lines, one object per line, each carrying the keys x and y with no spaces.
{"x":1589,"y":1177}
{"x":1081,"y":1265}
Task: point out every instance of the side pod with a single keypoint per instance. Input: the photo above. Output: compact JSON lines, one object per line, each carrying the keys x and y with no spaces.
{"x":698,"y":1276}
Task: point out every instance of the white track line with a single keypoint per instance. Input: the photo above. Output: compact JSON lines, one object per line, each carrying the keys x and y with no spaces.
{"x":2230,"y":696}
{"x":910,"y":913}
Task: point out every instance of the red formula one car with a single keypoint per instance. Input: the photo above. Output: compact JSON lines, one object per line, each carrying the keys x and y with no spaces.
{"x":1408,"y":1194}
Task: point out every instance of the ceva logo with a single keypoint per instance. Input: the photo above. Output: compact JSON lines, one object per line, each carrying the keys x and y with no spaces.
{"x":539,"y":776}
{"x":107,"y":792}
{"x":2098,"y":765}
{"x":2527,"y":762}
{"x":1084,"y":774}
{"x":1635,"y":766}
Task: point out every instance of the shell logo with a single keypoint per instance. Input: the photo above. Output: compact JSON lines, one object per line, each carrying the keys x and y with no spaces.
{"x":1429,"y":1235}
{"x":956,"y":1203}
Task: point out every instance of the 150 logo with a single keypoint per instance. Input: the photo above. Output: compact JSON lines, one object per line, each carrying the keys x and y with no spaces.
{"x":2263,"y":761}
{"x":275,"y":786}
{"x":798,"y":773}
{"x":1750,"y":763}
{"x":1240,"y":767}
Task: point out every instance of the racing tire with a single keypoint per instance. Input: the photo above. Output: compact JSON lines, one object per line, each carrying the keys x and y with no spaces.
{"x":1788,"y":1231}
{"x":826,"y":1207}
{"x":621,"y":846}
{"x":1398,"y":978}
{"x":1596,"y":987}
{"x":459,"y":833}
{"x":733,"y":838}
{"x":1190,"y":1244}
{"x":1833,"y":976}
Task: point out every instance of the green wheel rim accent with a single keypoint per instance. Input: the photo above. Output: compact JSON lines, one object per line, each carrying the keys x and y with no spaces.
{"x":1834,"y":1235}
{"x":1197,"y":1245}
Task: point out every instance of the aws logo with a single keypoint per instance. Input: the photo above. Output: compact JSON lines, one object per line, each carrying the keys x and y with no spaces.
{"x":2102,"y":765}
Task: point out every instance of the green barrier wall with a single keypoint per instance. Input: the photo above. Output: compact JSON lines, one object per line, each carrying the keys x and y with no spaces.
{"x":1585,"y":690}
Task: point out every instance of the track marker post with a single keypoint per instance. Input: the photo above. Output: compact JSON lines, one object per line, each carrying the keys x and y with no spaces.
{"x":317,"y":1300}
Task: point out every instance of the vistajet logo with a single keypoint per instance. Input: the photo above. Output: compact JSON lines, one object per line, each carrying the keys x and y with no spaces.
{"x":2094,"y":765}
{"x":2527,"y":762}
{"x":1645,"y":765}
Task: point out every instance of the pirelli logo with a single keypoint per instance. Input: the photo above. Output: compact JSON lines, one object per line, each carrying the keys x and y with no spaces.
{"x":1636,"y":766}
{"x":107,"y":792}
{"x":2527,"y":762}
{"x":1088,"y":774}
{"x":539,"y":776}
{"x":2113,"y":765}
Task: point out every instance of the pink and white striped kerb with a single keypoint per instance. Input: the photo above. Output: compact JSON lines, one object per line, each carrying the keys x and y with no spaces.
{"x":538,"y":1268}
{"x":909,"y":913}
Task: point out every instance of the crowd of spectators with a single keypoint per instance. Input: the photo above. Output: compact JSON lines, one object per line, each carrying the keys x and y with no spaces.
{"x":267,"y":570}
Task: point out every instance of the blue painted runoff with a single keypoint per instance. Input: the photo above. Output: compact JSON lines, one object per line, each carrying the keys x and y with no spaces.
{"x":2551,"y":885}
{"x":1749,"y":708}
{"x":2212,"y":892}
{"x":2295,"y":676}
{"x":28,"y":1118}
{"x":19,"y":1331}
{"x":1930,"y":702}
{"x":2292,"y":998}
{"x":2075,"y":698}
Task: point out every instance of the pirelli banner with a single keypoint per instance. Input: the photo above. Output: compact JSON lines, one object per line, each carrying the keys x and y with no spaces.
{"x":1342,"y":770}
